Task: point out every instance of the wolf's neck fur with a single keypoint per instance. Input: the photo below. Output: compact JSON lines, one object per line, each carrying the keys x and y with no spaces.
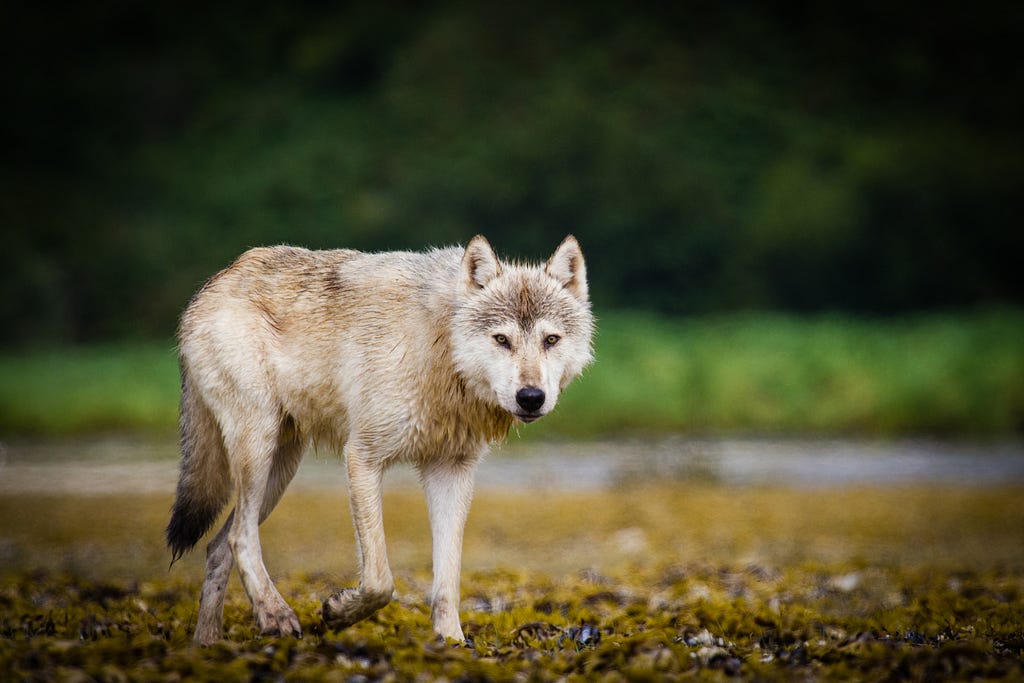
{"x":453,"y":419}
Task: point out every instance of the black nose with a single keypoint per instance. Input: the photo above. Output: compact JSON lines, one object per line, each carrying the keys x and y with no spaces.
{"x":530,"y":398}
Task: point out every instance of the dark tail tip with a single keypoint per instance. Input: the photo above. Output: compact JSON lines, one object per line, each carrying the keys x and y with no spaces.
{"x":189,"y":522}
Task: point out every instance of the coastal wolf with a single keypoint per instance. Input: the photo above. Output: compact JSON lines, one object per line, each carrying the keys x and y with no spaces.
{"x":424,"y":358}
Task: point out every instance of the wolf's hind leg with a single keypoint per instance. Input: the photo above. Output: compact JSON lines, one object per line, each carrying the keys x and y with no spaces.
{"x":259,"y":484}
{"x":376,"y":584}
{"x":210,"y":624}
{"x":449,"y":490}
{"x":219,"y":560}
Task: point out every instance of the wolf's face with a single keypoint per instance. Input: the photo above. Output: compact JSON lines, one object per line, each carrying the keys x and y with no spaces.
{"x":520,"y":334}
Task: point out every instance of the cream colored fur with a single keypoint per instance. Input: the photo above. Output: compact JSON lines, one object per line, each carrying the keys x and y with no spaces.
{"x":419,"y":357}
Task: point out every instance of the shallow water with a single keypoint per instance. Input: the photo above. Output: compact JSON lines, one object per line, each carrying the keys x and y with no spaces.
{"x":128,"y":464}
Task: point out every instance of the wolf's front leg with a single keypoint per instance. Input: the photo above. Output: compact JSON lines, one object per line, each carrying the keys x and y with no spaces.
{"x":449,"y":490}
{"x":376,"y":585}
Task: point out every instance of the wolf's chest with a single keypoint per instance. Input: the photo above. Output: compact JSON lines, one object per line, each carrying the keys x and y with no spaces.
{"x":450,"y":433}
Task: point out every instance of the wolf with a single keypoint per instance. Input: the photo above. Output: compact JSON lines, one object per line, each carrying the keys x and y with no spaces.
{"x":426,"y":358}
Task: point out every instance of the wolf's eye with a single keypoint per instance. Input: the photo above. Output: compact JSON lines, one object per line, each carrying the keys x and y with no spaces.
{"x":551,"y":340}
{"x":502,"y":340}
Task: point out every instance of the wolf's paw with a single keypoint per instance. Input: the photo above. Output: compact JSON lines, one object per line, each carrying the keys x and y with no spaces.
{"x":446,"y":621}
{"x":278,"y":622}
{"x":346,"y":607}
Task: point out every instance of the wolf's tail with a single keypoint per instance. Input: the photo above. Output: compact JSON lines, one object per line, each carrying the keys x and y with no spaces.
{"x":204,"y":483}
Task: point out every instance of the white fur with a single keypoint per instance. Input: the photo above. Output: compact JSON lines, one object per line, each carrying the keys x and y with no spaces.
{"x":394,"y":357}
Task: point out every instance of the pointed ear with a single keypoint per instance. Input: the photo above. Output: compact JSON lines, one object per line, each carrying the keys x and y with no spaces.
{"x":479,"y":264}
{"x":566,"y":265}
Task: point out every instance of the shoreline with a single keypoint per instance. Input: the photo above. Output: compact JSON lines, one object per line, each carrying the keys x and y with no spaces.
{"x":128,"y":464}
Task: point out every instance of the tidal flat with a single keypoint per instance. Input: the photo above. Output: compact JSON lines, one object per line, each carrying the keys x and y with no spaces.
{"x":676,"y":580}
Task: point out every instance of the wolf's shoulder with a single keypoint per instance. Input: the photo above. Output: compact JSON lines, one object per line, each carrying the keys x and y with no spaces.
{"x":287,"y":257}
{"x":408,"y":266}
{"x":276,"y":271}
{"x":283,"y":255}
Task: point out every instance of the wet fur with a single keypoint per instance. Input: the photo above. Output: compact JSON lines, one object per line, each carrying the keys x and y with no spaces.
{"x":392,"y":357}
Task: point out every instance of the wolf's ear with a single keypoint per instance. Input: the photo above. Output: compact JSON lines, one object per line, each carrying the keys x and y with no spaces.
{"x":479,"y":264}
{"x":566,"y":265}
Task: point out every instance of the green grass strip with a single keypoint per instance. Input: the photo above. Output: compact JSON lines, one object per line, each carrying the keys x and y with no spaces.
{"x":79,"y":390}
{"x":753,"y":373}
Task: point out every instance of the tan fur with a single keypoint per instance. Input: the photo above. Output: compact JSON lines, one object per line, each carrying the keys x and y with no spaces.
{"x":419,"y":357}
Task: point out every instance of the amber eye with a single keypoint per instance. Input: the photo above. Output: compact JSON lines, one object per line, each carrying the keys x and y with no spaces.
{"x":551,"y":340}
{"x":502,"y":340}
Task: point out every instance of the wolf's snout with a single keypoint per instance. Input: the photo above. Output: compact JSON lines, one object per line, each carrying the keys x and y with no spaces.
{"x":530,"y":398}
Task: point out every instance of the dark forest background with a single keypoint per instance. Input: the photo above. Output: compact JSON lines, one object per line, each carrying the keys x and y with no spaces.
{"x":857,"y":157}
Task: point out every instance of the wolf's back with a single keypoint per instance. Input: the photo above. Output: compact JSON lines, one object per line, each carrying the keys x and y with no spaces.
{"x":204,"y":482}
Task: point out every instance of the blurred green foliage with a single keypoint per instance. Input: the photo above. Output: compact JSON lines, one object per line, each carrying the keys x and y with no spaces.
{"x":709,"y":156}
{"x":770,"y":373}
{"x":754,"y":373}
{"x":116,"y":387}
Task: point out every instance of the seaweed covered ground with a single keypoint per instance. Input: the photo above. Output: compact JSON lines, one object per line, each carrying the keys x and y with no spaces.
{"x":675,"y":581}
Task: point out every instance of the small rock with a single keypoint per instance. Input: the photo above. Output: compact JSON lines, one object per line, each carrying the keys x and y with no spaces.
{"x":582,"y":636}
{"x":845,"y":583}
{"x":631,"y":541}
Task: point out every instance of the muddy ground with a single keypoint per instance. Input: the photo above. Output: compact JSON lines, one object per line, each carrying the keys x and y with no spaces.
{"x":655,"y":569}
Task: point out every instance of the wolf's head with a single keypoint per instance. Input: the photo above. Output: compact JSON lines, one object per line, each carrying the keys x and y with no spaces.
{"x":521,"y":333}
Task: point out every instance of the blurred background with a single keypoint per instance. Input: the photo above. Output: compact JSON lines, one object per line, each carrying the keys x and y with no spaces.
{"x":800,"y":218}
{"x":802,"y":225}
